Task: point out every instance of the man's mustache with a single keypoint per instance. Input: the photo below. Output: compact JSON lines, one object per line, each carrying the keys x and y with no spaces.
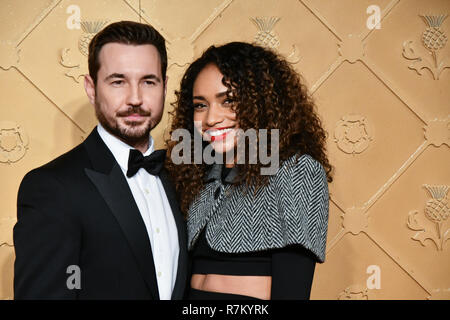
{"x":133,"y":110}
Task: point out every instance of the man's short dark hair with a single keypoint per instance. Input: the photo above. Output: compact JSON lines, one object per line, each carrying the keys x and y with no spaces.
{"x":126,"y":32}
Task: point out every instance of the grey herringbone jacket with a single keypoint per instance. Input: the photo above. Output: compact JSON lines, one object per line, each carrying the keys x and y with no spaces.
{"x":291,"y":209}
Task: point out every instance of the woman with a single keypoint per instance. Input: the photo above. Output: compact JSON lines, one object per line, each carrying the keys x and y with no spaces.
{"x":251,"y":236}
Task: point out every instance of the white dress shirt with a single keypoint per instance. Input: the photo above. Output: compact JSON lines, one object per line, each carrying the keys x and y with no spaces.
{"x":151,"y":199}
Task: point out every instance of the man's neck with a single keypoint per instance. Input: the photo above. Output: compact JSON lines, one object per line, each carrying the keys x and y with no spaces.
{"x":141,"y":145}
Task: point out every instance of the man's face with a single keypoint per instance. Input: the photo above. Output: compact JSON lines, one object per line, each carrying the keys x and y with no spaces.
{"x":129,"y":94}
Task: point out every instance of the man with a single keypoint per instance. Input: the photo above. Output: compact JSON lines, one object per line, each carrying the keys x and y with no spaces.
{"x":102,"y":221}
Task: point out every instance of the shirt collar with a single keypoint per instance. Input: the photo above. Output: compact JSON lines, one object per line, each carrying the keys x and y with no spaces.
{"x":215,"y":173}
{"x":118,"y":148}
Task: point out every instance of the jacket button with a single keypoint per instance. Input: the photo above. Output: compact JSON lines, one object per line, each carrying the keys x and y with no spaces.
{"x":217,"y":193}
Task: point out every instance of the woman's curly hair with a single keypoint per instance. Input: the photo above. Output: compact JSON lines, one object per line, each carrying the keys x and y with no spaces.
{"x":268,"y":94}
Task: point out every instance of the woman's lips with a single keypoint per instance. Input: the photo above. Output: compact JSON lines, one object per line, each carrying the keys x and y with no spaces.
{"x":218,"y":134}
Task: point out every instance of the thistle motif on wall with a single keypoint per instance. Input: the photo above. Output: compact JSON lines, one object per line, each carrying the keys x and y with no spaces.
{"x":437,"y":210}
{"x":76,"y":61}
{"x":266,"y":37}
{"x":90,"y":29}
{"x":433,"y":39}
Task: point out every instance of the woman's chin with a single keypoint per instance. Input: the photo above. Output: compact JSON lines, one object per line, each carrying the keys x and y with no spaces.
{"x":222,"y":148}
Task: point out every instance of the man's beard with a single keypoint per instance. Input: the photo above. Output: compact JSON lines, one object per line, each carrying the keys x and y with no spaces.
{"x":131,"y":132}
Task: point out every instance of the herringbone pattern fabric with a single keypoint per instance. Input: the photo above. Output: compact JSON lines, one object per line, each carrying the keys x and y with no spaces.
{"x":291,"y":209}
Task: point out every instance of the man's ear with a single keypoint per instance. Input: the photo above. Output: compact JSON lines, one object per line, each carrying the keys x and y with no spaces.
{"x":89,"y":86}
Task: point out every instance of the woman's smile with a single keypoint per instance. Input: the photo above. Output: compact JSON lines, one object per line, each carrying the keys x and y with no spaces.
{"x":217,"y":134}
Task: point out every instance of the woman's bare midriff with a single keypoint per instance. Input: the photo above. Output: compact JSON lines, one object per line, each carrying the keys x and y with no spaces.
{"x":252,"y":286}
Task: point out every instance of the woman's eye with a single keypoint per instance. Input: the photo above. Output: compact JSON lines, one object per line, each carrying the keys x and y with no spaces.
{"x":228,"y":102}
{"x":199,"y":106}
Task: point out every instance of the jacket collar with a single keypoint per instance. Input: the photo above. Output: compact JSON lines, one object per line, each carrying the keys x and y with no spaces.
{"x":102,"y":159}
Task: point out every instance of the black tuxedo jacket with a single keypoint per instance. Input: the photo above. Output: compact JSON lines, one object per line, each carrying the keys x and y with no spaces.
{"x":78,"y":210}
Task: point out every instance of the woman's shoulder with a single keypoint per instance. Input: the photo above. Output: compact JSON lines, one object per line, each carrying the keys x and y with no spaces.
{"x":300,"y":166}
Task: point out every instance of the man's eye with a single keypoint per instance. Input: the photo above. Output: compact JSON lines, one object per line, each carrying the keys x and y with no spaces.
{"x":149,"y":83}
{"x":117,"y":82}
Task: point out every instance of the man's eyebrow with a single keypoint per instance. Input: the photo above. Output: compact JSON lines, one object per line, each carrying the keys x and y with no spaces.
{"x":152,"y":77}
{"x":115,"y":75}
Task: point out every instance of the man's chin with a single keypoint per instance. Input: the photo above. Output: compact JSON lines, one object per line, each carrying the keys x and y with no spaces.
{"x":135,"y":133}
{"x":132,"y":132}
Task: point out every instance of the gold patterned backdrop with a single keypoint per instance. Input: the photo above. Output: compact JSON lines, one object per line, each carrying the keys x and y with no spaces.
{"x":379,"y":71}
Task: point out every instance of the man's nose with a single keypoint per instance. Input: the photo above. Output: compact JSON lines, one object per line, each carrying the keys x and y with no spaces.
{"x":134,"y":95}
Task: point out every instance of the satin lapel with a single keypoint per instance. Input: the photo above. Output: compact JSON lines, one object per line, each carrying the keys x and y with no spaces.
{"x":181,"y":279}
{"x":110,"y":181}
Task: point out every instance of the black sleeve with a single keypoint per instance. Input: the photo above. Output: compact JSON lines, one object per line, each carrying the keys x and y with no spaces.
{"x":45,"y":240}
{"x":292,"y":273}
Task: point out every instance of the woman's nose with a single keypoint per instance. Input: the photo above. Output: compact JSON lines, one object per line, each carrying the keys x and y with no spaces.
{"x":214,"y":115}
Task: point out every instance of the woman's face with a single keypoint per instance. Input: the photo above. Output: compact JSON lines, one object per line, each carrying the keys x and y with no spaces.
{"x":214,"y":116}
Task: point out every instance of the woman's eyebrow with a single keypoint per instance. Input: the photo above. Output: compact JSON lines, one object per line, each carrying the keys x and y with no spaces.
{"x":218,"y":95}
{"x":199,"y":98}
{"x":223,"y":94}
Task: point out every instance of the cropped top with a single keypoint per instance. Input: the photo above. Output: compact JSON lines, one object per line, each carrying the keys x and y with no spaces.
{"x":291,"y":268}
{"x":206,"y":261}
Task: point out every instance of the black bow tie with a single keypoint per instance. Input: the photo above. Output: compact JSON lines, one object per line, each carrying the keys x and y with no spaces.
{"x":153,"y":163}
